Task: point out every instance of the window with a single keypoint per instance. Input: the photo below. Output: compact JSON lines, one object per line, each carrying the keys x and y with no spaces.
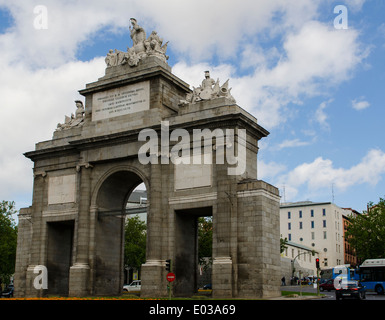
{"x":324,"y":223}
{"x":312,"y":213}
{"x":289,"y":236}
{"x":324,"y":212}
{"x":289,"y":226}
{"x":289,"y":215}
{"x":300,"y":213}
{"x":325,"y":235}
{"x":312,"y":224}
{"x":312,"y":236}
{"x":300,"y":224}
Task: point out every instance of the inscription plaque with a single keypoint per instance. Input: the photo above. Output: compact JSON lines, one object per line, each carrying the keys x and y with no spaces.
{"x":121,"y":101}
{"x":62,"y":189}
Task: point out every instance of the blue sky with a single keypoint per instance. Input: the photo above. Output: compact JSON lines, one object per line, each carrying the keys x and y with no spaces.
{"x":318,"y":89}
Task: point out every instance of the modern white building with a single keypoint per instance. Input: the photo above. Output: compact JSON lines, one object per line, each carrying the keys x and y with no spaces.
{"x":315,"y":225}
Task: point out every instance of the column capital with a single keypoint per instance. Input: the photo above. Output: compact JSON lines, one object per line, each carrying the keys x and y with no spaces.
{"x":86,"y":165}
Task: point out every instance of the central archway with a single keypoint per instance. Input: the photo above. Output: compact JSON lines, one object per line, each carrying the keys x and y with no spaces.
{"x":111,"y":198}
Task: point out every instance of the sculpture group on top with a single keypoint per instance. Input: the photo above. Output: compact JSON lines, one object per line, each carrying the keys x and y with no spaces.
{"x":208,"y":90}
{"x":142,"y":47}
{"x":74,"y":120}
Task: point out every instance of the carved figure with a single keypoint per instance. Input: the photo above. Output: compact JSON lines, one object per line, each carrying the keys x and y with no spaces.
{"x":208,"y":90}
{"x":74,"y":120}
{"x":138,"y":35}
{"x":142,"y":48}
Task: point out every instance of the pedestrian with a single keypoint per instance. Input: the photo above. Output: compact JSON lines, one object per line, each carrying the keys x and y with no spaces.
{"x":283,"y":281}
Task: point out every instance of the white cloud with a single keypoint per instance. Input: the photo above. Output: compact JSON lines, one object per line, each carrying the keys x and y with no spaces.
{"x":321,"y":173}
{"x":196,"y":28}
{"x":269,"y":170}
{"x":354,"y":5}
{"x":32,"y":104}
{"x":291,"y":143}
{"x":320,"y":115}
{"x":360,"y":104}
{"x":41,"y":75}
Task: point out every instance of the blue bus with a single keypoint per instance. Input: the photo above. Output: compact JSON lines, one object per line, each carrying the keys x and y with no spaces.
{"x":372,"y":275}
{"x":343,"y":271}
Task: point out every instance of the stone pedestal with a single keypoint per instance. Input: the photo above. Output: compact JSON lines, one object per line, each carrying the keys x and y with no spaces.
{"x":33,"y":287}
{"x":155,"y":284}
{"x":79,"y":280}
{"x":222,"y":277}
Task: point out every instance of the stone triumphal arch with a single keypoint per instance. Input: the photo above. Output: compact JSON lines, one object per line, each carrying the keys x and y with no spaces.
{"x":196,"y":153}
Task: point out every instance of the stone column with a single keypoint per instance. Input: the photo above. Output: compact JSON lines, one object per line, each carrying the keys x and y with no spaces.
{"x":80,"y":271}
{"x":151,"y":271}
{"x":224,"y":257}
{"x":36,"y":245}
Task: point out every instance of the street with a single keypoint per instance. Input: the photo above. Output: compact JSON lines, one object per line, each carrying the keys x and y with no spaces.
{"x":328,"y":295}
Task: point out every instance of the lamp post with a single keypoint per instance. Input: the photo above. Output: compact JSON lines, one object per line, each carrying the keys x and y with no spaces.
{"x":293,"y":261}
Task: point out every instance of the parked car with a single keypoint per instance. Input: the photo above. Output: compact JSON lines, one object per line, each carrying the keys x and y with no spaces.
{"x":133,"y":286}
{"x":350,"y":289}
{"x":328,"y":285}
{"x":8,"y":292}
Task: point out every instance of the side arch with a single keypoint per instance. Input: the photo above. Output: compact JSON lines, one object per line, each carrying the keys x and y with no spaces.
{"x":110,"y":194}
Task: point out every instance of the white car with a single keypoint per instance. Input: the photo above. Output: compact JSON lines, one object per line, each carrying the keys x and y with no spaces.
{"x":133,"y":286}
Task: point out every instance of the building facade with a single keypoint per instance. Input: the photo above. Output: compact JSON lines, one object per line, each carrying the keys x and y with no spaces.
{"x":349,"y":252}
{"x":316,"y":225}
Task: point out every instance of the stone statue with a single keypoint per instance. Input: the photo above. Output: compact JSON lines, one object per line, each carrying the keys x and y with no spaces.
{"x":142,"y":47}
{"x":74,"y":120}
{"x":208,"y":90}
{"x":138,"y":36}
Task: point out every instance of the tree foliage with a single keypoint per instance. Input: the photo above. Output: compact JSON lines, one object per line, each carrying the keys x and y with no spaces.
{"x":283,"y":245}
{"x":8,"y":240}
{"x":135,"y":243}
{"x":205,"y":240}
{"x":366,"y":232}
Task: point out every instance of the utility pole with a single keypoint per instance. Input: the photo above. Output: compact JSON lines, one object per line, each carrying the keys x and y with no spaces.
{"x":170,"y":277}
{"x":317,"y":266}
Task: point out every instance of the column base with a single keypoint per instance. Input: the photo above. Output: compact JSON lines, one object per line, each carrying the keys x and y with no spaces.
{"x":222,"y":277}
{"x":153,"y":285}
{"x":79,"y":280}
{"x":36,"y":283}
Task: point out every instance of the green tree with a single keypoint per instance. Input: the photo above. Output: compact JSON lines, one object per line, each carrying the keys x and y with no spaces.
{"x":8,"y":240}
{"x":205,"y":240}
{"x":135,"y":243}
{"x":283,"y":245}
{"x":366,"y":232}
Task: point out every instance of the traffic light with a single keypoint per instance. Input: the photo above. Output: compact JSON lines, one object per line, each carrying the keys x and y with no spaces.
{"x":317,"y":263}
{"x":168,"y":264}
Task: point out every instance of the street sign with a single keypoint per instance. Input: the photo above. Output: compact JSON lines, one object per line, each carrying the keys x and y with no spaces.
{"x":170,"y":277}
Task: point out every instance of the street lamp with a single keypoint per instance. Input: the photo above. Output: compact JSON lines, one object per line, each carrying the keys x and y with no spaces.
{"x":313,"y":252}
